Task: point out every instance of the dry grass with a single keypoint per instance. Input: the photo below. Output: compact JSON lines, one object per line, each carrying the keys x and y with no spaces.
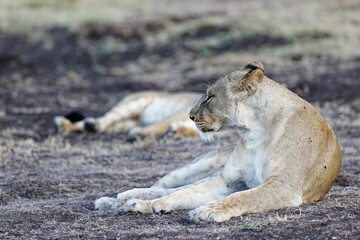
{"x":24,"y":14}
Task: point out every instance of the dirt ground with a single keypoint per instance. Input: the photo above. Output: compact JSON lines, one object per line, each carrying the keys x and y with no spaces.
{"x":48,"y":182}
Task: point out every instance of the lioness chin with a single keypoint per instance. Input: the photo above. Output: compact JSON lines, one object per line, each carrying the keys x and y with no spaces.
{"x":287,"y":154}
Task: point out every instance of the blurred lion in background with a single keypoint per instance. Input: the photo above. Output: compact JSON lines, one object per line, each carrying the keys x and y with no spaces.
{"x":141,"y":114}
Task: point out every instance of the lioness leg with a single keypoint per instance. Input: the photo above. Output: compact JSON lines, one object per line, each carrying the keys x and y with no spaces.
{"x":122,"y":117}
{"x":122,"y":126}
{"x":138,"y":193}
{"x":200,"y":168}
{"x":160,"y":128}
{"x":184,"y":128}
{"x":271,"y":195}
{"x":128,"y":109}
{"x":186,"y":198}
{"x":64,"y":125}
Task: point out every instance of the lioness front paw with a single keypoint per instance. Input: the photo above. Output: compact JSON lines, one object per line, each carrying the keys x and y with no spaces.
{"x":212,"y":212}
{"x":123,"y":197}
{"x":137,"y":205}
{"x":160,"y":206}
{"x":104,"y":203}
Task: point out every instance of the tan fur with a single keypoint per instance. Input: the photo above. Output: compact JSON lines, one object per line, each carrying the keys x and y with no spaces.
{"x":144,"y":114}
{"x":287,"y":154}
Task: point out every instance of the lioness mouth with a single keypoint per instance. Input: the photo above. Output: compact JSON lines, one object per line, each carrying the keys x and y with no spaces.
{"x":207,"y":129}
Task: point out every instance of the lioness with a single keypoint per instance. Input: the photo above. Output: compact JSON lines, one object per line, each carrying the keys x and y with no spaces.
{"x":148,"y":113}
{"x":287,"y":154}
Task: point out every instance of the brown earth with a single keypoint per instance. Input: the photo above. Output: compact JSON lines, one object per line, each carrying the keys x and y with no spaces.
{"x":48,"y":182}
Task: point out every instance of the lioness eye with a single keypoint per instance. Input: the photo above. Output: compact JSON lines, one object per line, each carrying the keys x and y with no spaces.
{"x":208,"y":98}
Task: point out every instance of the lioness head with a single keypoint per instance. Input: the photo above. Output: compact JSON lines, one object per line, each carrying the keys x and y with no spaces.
{"x":225,"y":104}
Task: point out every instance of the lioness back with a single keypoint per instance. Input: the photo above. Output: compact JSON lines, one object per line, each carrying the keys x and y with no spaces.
{"x":308,"y":135}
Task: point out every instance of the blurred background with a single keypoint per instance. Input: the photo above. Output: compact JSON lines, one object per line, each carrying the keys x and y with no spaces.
{"x":56,"y":56}
{"x":63,"y":55}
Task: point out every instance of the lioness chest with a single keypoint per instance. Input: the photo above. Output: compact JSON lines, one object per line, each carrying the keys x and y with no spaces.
{"x":251,"y":165}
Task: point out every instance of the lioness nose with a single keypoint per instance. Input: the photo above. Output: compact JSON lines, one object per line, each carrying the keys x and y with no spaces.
{"x":192,"y":117}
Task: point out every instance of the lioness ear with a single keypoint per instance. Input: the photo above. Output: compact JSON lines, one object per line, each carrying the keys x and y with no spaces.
{"x":253,"y":65}
{"x":244,"y":82}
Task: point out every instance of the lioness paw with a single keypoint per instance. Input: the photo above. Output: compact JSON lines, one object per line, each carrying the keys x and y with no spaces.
{"x":134,"y":134}
{"x":160,"y":206}
{"x":104,"y":203}
{"x":91,"y":125}
{"x":137,"y":205}
{"x":60,"y":123}
{"x":122,"y":198}
{"x":209,"y":212}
